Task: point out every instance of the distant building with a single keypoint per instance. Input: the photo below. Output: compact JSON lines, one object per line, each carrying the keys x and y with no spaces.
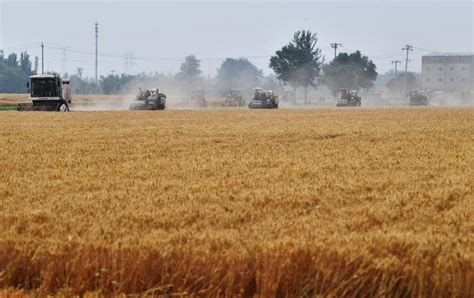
{"x":448,"y":72}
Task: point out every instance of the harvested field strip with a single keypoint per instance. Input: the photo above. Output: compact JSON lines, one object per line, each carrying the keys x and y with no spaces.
{"x":7,"y":107}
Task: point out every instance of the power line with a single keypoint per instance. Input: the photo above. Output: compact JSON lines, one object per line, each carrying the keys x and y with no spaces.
{"x":141,"y":58}
{"x":64,"y":66}
{"x":426,"y":50}
{"x":67,"y":52}
{"x":382,"y":57}
{"x":81,"y":51}
{"x":69,"y":49}
{"x":24,"y":46}
{"x":128,"y":62}
{"x":149,"y":60}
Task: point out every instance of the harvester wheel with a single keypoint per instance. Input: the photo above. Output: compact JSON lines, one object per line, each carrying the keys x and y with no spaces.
{"x":63,"y":107}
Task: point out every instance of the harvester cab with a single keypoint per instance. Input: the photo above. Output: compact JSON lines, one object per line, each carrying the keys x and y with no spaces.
{"x":419,"y":98}
{"x":234,"y":99}
{"x":348,"y":98}
{"x":264,"y":100}
{"x":48,"y":92}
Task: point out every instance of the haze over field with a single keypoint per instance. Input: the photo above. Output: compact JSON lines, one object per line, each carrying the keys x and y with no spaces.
{"x":160,"y":34}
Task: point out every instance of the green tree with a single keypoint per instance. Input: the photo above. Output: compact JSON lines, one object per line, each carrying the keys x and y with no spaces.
{"x":237,"y":74}
{"x":36,"y":65}
{"x":12,"y":80}
{"x":350,"y":71}
{"x":81,"y":85}
{"x":25,"y":64}
{"x":190,"y":69}
{"x":114,"y":84}
{"x":13,"y":73}
{"x":12,"y":60}
{"x":299,"y":62}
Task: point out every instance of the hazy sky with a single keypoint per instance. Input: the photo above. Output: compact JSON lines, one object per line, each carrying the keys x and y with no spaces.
{"x":159,"y":33}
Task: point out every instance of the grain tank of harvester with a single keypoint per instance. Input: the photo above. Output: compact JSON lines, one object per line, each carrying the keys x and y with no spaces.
{"x":264,"y":100}
{"x":150,"y":99}
{"x":419,"y":98}
{"x":234,"y":99}
{"x":198,"y":99}
{"x":48,"y":92}
{"x":348,"y":98}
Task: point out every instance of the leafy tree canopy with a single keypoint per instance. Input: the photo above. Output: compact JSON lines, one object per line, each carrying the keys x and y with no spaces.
{"x":190,"y":69}
{"x":13,"y":73}
{"x":113,"y":84}
{"x":299,"y":62}
{"x":350,"y":71}
{"x":237,"y":74}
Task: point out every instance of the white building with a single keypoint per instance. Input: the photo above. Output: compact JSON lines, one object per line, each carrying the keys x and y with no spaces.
{"x":449,"y":73}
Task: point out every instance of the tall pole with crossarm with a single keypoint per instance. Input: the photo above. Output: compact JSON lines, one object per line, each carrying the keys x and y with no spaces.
{"x":96,"y":51}
{"x":408,"y":48}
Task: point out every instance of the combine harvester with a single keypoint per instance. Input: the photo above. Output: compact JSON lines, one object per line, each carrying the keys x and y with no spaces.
{"x":348,"y":98}
{"x":48,"y":92}
{"x":234,"y":99}
{"x":419,"y":98}
{"x":264,"y":100}
{"x":150,"y":99}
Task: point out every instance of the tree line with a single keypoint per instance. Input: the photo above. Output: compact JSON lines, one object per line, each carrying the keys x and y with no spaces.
{"x":298,"y":64}
{"x":15,"y":72}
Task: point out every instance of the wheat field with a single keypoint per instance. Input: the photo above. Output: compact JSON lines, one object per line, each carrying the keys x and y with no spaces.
{"x":318,"y":202}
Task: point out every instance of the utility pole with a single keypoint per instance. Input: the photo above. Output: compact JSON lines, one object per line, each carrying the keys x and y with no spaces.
{"x":407,"y":48}
{"x":79,"y":71}
{"x":131,"y":63}
{"x":96,"y":50}
{"x":64,"y":69}
{"x":128,"y":62}
{"x":335,"y":46}
{"x":42,"y":58}
{"x":396,"y":69}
